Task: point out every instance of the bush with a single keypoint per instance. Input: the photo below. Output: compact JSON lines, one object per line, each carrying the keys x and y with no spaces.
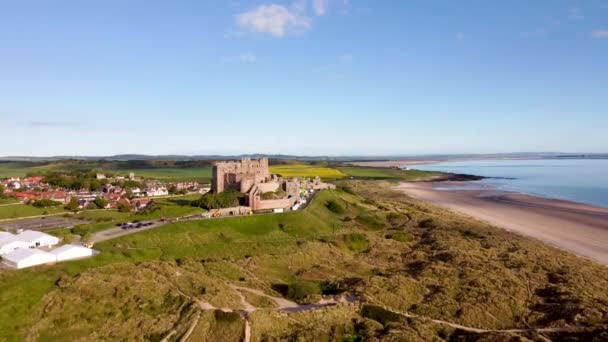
{"x":427,"y":223}
{"x":301,"y":289}
{"x":45,"y":203}
{"x":330,"y":288}
{"x":123,"y":207}
{"x":226,"y":199}
{"x":334,"y":207}
{"x":400,"y":236}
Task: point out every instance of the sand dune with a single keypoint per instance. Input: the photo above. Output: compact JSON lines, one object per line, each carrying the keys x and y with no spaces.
{"x":578,"y":228}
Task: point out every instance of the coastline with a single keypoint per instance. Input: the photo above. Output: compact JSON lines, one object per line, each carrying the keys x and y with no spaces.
{"x":575,"y":227}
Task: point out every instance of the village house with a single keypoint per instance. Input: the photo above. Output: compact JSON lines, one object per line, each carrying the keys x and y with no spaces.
{"x":156,"y":191}
{"x":143,"y":203}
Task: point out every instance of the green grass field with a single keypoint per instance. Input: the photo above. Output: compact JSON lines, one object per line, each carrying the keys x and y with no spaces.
{"x":8,"y":200}
{"x":14,"y":169}
{"x":199,"y":174}
{"x":176,"y":174}
{"x":23,"y":210}
{"x":386,"y":173}
{"x":305,"y":170}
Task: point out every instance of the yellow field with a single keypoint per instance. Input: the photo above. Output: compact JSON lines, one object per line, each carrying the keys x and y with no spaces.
{"x":303,"y":170}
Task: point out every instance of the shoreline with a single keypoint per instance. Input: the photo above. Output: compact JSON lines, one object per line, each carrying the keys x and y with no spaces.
{"x":575,"y":227}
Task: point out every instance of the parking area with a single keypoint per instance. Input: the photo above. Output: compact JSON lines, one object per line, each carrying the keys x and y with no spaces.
{"x":40,"y":224}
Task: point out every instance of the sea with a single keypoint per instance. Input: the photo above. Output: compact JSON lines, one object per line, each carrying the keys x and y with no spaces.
{"x":578,"y":180}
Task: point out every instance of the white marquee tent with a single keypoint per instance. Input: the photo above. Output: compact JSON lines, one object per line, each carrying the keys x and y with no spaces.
{"x":38,"y":239}
{"x":10,"y":242}
{"x":69,"y":252}
{"x":27,"y":257}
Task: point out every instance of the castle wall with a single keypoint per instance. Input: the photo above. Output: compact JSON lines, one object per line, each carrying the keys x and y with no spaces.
{"x":230,"y":175}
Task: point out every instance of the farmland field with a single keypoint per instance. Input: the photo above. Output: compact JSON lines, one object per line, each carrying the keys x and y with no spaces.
{"x":14,"y":169}
{"x":199,"y":174}
{"x":305,"y":170}
{"x":177,"y":174}
{"x":386,"y":173}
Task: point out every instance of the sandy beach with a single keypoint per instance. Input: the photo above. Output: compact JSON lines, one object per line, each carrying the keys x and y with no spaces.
{"x":578,"y":228}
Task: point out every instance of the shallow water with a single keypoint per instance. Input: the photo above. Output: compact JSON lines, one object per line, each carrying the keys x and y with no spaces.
{"x":578,"y":180}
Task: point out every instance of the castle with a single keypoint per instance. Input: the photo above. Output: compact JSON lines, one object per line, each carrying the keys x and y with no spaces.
{"x":252,"y":177}
{"x":239,"y":175}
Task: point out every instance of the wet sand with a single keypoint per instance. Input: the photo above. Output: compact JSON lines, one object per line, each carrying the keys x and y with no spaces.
{"x":575,"y":227}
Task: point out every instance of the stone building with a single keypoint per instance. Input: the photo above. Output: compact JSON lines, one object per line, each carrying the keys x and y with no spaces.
{"x":239,"y":175}
{"x":252,"y":177}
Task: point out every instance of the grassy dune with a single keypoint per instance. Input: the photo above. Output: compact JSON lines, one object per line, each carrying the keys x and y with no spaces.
{"x":397,"y":253}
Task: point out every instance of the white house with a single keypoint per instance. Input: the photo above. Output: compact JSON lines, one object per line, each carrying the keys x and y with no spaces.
{"x":38,"y":239}
{"x":69,"y":252}
{"x":154,"y":191}
{"x":10,"y":242}
{"x":27,"y":257}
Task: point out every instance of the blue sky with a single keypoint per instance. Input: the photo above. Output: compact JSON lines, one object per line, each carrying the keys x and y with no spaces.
{"x":304,"y":77}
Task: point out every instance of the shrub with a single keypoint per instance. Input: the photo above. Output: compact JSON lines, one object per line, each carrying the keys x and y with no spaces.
{"x":330,"y":288}
{"x":427,"y":223}
{"x":45,"y":203}
{"x":400,"y":236}
{"x":226,"y":199}
{"x":334,"y":207}
{"x":301,"y":289}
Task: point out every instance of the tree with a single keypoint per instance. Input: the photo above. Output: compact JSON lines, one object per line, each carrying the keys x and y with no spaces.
{"x":100,"y":202}
{"x":73,"y":205}
{"x":44,"y":203}
{"x":1,"y":191}
{"x":123,"y":207}
{"x":226,"y":199}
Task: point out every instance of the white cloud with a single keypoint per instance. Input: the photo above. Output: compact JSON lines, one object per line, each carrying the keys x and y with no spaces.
{"x":320,"y":7}
{"x":272,"y":19}
{"x":602,"y":34}
{"x":245,"y":58}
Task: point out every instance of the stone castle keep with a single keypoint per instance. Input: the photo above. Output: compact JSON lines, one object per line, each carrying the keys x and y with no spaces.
{"x":239,"y":175}
{"x":252,"y":177}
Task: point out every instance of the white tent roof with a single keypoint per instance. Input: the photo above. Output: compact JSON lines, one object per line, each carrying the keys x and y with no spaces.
{"x":4,"y":235}
{"x":21,"y":254}
{"x":33,"y":235}
{"x":10,"y":239}
{"x":68,"y":248}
